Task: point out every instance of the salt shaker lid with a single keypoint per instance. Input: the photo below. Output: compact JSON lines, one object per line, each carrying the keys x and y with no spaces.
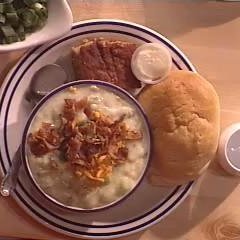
{"x":229,"y":149}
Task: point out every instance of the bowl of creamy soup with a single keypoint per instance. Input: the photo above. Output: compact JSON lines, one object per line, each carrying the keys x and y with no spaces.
{"x":86,"y":145}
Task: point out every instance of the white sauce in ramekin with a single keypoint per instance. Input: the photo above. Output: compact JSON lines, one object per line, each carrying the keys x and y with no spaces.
{"x":62,"y":184}
{"x":151,"y":62}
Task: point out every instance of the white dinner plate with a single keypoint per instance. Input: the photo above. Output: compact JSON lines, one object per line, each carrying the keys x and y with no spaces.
{"x":147,"y":205}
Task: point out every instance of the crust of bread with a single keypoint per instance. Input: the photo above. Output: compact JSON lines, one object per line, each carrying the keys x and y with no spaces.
{"x":184,"y":114}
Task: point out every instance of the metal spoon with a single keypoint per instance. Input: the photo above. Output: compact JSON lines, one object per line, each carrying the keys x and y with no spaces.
{"x":10,"y":179}
{"x":43,"y":81}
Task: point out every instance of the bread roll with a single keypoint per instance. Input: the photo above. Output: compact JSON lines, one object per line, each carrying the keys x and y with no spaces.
{"x":184,"y":114}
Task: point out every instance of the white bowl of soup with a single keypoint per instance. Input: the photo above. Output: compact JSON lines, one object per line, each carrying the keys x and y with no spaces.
{"x":86,"y":145}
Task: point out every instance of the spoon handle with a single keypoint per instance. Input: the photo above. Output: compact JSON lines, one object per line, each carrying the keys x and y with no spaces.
{"x":9,"y":181}
{"x":6,"y":185}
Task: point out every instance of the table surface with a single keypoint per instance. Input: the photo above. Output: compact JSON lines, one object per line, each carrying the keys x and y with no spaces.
{"x":209,"y":34}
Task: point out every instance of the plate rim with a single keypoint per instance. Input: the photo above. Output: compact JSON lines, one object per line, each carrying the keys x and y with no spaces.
{"x":96,"y":22}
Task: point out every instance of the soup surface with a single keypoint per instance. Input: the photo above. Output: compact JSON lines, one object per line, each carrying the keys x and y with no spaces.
{"x":87,"y":147}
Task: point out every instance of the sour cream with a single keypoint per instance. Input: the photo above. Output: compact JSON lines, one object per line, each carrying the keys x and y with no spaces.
{"x":151,"y":62}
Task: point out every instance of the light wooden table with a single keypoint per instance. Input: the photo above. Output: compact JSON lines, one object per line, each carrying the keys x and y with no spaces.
{"x":209,"y":34}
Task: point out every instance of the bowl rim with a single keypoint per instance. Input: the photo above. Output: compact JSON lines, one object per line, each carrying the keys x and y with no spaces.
{"x":117,"y":90}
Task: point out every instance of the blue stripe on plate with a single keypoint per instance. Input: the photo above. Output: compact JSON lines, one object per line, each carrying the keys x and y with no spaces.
{"x":129,"y":230}
{"x":110,"y":225}
{"x":7,"y":111}
{"x":36,"y":58}
{"x":125,"y":24}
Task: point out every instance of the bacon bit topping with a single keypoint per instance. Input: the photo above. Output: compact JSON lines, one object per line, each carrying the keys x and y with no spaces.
{"x":45,"y":140}
{"x":72,"y":106}
{"x":93,"y":147}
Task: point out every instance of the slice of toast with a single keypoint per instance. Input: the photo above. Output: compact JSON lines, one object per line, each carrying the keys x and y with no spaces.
{"x":105,"y":60}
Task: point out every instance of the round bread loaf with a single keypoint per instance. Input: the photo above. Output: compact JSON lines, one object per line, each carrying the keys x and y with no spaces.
{"x":184,"y":114}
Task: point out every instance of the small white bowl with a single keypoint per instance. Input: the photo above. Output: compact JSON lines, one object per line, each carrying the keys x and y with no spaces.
{"x":59,"y":22}
{"x":229,"y":149}
{"x":147,"y":58}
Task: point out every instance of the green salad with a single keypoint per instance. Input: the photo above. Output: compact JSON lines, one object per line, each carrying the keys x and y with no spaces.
{"x":21,"y":17}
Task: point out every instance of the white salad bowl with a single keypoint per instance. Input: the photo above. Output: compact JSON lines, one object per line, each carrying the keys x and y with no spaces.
{"x":59,"y":22}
